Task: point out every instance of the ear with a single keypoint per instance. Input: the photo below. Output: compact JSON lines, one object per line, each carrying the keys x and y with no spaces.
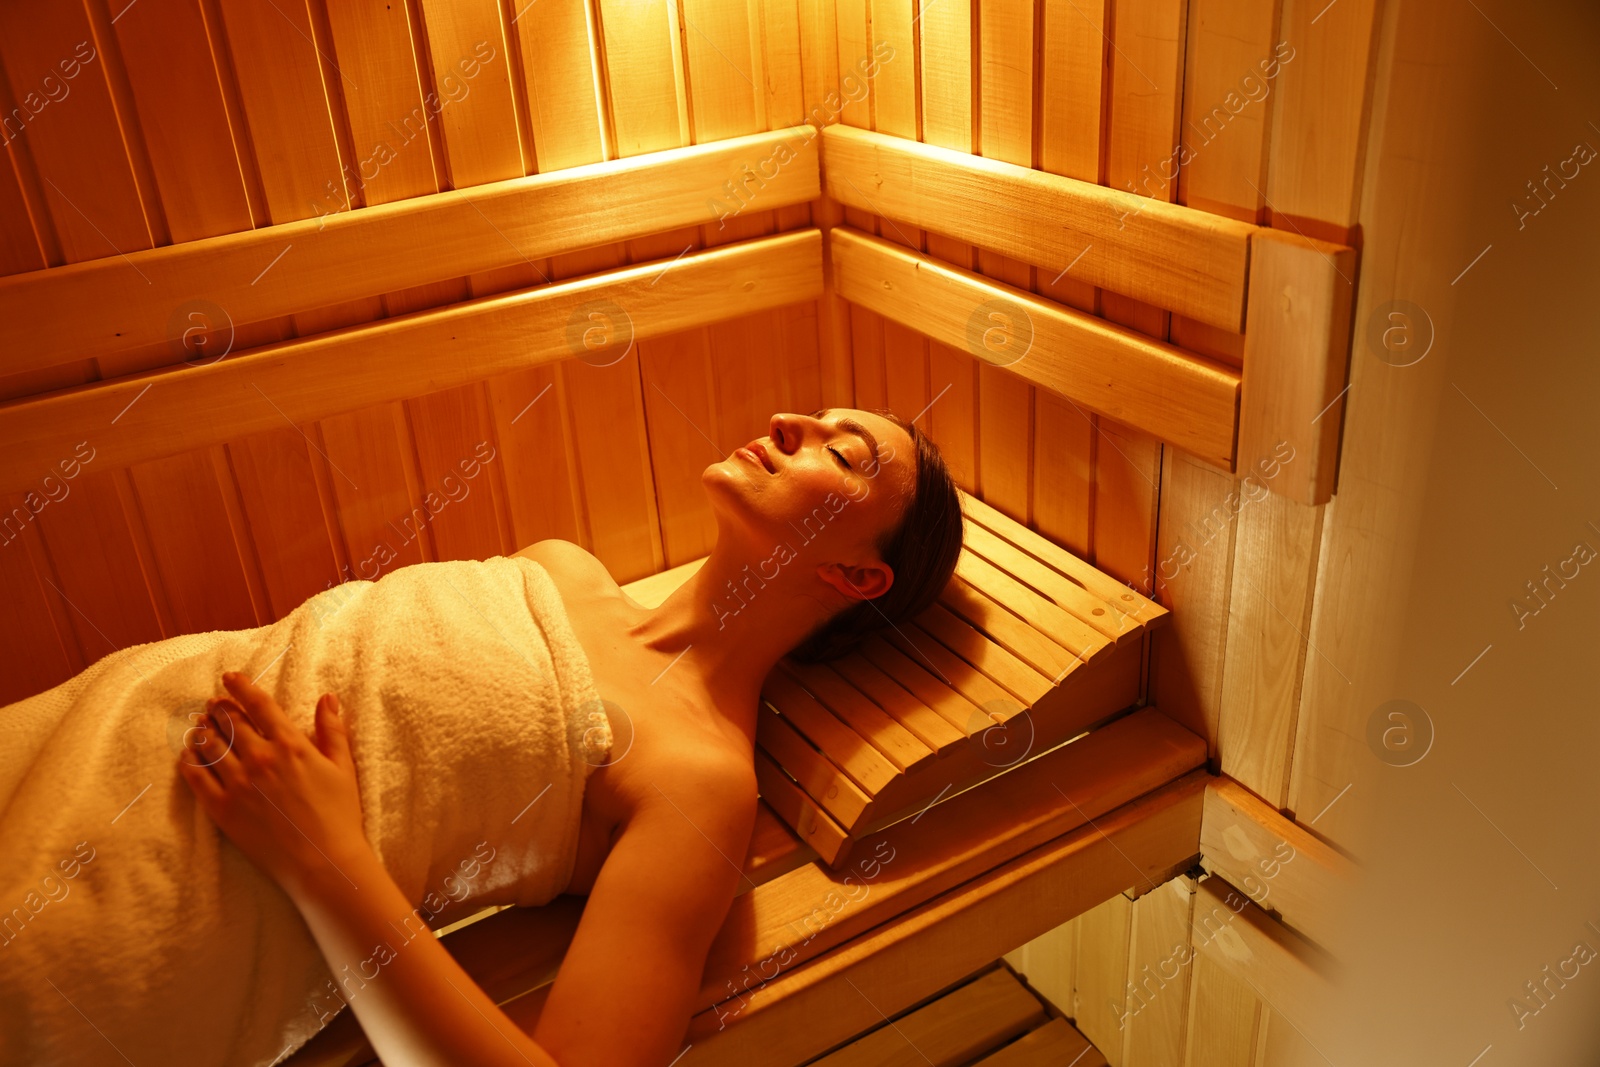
{"x":865,"y":581}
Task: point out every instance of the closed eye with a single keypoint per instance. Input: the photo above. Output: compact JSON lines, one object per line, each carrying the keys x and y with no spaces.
{"x":836,"y":452}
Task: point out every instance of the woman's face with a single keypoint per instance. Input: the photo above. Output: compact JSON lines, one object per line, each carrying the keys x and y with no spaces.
{"x":832,"y":482}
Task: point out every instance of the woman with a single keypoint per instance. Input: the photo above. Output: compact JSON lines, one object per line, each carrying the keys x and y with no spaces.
{"x":832,"y":526}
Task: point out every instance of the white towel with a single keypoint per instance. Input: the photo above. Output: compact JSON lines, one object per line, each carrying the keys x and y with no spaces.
{"x":132,"y":929}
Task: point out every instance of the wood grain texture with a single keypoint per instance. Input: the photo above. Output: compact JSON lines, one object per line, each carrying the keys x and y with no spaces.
{"x":1276,"y":546}
{"x":1285,"y":972}
{"x":1158,"y":979}
{"x":1229,"y":92}
{"x":422,"y":240}
{"x":1279,"y":864}
{"x":1194,"y":560}
{"x":1071,"y":353}
{"x":1296,"y":359}
{"x":1319,"y":123}
{"x":1175,"y":257}
{"x":286,"y":105}
{"x":1101,"y":984}
{"x":259,"y":389}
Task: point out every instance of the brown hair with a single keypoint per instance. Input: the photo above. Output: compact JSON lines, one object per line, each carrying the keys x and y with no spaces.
{"x":921,"y":549}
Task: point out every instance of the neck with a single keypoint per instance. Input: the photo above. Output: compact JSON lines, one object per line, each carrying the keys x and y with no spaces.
{"x":734,"y":618}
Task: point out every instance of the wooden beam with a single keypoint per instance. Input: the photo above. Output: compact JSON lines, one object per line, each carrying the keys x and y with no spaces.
{"x":1176,"y":395}
{"x":1296,"y":354}
{"x":1276,"y":862}
{"x":128,"y":301}
{"x":175,"y":409}
{"x":1287,"y":973}
{"x":1175,"y":257}
{"x":805,"y":1011}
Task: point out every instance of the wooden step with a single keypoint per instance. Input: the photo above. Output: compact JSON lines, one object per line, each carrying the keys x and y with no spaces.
{"x":1027,"y":648}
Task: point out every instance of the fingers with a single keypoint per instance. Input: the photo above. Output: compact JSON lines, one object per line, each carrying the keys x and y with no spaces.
{"x":214,"y":755}
{"x":204,"y":784}
{"x":268,"y":719}
{"x":333,"y":740}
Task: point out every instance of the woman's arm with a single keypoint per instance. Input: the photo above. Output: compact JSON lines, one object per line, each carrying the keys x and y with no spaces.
{"x":293,"y":808}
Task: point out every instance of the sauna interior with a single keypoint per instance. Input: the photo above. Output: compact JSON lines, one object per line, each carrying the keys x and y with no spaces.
{"x":302,"y":292}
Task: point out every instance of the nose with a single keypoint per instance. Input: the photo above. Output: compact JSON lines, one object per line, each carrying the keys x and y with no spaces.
{"x":788,"y":431}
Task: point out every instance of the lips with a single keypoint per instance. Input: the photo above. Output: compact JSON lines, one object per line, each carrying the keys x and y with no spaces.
{"x":759,"y":452}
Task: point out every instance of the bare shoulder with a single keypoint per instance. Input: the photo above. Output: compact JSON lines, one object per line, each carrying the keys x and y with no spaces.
{"x":570,"y":563}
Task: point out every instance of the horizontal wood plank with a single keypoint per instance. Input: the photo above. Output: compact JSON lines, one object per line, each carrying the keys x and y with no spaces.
{"x":1178,"y":396}
{"x":129,"y":301}
{"x":1174,"y":257}
{"x":1279,"y":864}
{"x":300,"y":381}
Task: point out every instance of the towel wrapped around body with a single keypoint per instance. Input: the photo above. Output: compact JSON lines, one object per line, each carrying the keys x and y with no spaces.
{"x":131,"y":928}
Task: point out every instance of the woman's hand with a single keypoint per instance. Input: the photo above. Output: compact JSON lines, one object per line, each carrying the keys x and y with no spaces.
{"x":292,"y":806}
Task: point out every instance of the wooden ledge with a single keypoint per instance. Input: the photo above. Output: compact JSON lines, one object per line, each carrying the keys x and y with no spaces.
{"x":1172,"y":393}
{"x":1174,"y":257}
{"x":126,"y":302}
{"x":302,"y":380}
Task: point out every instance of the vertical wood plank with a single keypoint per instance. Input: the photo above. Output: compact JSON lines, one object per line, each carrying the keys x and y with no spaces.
{"x":1157,"y":1007}
{"x":564,"y":82}
{"x":1049,"y":962}
{"x":1274,"y":572}
{"x":1320,"y":118}
{"x":286,"y":106}
{"x":1146,"y":87}
{"x":198,"y":560}
{"x":1228,"y":98}
{"x":167,"y":54}
{"x":1224,"y":1020}
{"x":86,"y":179}
{"x":1100,"y":995}
{"x":373,"y":485}
{"x":649,"y":108}
{"x":536,"y":458}
{"x":98,"y":565}
{"x":389,"y":116}
{"x":1127,"y":472}
{"x":472,"y":76}
{"x":717,"y":44}
{"x":284,"y":512}
{"x":36,"y":652}
{"x":1193,"y":574}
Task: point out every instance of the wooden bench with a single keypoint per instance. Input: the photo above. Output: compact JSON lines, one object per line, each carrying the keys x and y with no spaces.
{"x":944,"y":863}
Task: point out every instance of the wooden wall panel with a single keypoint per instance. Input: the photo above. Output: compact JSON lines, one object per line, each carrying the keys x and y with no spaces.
{"x":283,"y":509}
{"x":1158,"y":980}
{"x":391,"y":122}
{"x":167,"y":52}
{"x":472,"y":77}
{"x":89,"y":185}
{"x":290,"y":120}
{"x":1320,"y":119}
{"x":1101,"y":985}
{"x":1230,"y":77}
{"x":198,"y":559}
{"x":1193,"y":575}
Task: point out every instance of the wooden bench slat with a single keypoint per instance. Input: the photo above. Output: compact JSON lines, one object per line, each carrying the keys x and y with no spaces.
{"x":966,"y":1022}
{"x":966,"y":653}
{"x":1112,"y":621}
{"x":1016,"y":635}
{"x":1049,"y":618}
{"x":856,"y":756}
{"x":855,"y":710}
{"x":949,"y":702}
{"x":815,"y":773}
{"x":1096,"y":581}
{"x":929,"y":727}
